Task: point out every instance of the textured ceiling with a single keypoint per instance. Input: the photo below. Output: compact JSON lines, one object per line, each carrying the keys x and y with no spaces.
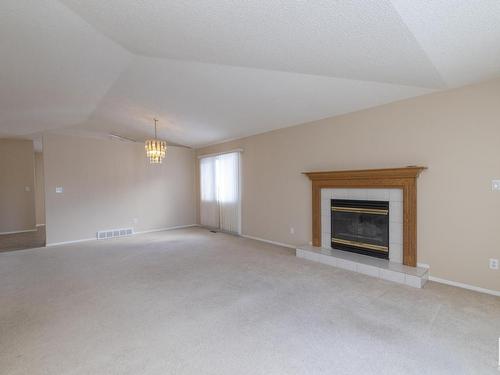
{"x":54,"y":67}
{"x":214,"y":70}
{"x":460,"y":37}
{"x":351,"y":39}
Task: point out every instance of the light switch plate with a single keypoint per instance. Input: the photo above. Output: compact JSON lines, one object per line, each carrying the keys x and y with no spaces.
{"x":495,"y":185}
{"x":59,"y":189}
{"x":27,"y":188}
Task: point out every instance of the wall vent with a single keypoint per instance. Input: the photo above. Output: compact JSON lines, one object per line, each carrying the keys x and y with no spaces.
{"x":112,"y":233}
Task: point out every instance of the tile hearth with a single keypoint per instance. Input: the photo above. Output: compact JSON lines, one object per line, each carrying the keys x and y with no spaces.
{"x":380,"y":268}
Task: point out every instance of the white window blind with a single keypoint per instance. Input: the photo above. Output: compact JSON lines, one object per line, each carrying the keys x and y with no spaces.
{"x":220,"y":204}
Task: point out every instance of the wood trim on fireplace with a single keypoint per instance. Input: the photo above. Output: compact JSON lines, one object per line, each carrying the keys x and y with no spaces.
{"x":399,"y":178}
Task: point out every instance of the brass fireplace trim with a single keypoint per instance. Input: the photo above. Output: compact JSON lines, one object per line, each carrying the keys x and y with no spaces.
{"x":358,"y":210}
{"x":384,"y":249}
{"x":399,"y":178}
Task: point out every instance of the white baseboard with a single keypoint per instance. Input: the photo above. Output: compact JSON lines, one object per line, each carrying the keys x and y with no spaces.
{"x":168,"y":228}
{"x":465,"y":286}
{"x":431,"y":278}
{"x":135,"y":233}
{"x":19,"y":231}
{"x":423,"y":265}
{"x":269,"y":241}
{"x":458,"y":284}
{"x":70,"y":242}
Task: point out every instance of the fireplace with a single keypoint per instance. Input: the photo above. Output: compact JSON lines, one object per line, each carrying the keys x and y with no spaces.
{"x":360,"y":226}
{"x":402,"y":179}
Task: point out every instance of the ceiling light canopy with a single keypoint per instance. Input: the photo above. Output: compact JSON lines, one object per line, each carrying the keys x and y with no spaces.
{"x":156,"y":149}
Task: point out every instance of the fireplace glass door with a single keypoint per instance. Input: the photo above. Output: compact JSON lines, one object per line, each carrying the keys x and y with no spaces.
{"x":360,"y":226}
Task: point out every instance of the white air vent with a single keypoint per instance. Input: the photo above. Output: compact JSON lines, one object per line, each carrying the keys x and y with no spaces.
{"x":111,"y":233}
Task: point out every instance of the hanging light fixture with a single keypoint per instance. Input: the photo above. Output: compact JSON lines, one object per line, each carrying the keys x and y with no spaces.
{"x":155,"y":149}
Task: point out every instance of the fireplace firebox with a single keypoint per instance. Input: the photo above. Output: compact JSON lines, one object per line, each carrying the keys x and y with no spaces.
{"x":360,"y":226}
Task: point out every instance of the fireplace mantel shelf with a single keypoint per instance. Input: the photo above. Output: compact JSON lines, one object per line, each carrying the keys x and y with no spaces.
{"x":401,"y":178}
{"x":405,"y":172}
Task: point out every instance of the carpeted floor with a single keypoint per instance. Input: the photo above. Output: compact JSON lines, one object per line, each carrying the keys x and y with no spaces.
{"x":193,"y":302}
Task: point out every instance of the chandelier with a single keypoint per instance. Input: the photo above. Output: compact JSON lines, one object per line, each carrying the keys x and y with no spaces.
{"x":155,"y":149}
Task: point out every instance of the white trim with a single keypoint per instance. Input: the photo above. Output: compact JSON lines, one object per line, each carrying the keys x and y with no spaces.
{"x":40,"y":225}
{"x":459,"y":284}
{"x":269,"y":241}
{"x":69,"y":242}
{"x":143,"y":232}
{"x":240,"y":150}
{"x":465,"y":286}
{"x":168,"y":228}
{"x":19,"y":231}
{"x":423,"y":265}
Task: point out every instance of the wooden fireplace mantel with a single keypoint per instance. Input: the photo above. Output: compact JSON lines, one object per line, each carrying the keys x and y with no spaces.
{"x":398,"y":178}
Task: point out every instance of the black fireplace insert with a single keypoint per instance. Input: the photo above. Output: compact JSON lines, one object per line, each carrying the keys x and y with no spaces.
{"x":360,"y":226}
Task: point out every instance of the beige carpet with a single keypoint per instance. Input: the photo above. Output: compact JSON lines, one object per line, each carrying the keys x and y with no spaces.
{"x":193,"y":302}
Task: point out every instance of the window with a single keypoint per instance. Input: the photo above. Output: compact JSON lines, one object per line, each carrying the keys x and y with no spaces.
{"x":220,"y":192}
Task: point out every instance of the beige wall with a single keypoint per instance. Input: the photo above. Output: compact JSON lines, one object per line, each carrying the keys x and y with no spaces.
{"x":39,"y":189}
{"x":455,"y":133}
{"x":109,"y":183}
{"x":17,"y":206}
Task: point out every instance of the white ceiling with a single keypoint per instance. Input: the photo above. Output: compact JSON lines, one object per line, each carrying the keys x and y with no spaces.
{"x":203,"y":103}
{"x":214,"y":70}
{"x":351,"y":39}
{"x":54,"y":67}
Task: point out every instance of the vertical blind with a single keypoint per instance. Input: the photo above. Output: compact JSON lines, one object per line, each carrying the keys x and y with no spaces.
{"x":220,"y":192}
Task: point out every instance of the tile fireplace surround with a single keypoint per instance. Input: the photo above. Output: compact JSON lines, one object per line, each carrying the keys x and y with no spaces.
{"x":393,"y":196}
{"x":396,"y":186}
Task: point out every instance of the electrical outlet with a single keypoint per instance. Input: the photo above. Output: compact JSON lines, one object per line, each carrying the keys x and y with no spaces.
{"x":59,"y":190}
{"x":292,"y":230}
{"x":27,"y":188}
{"x":494,"y":264}
{"x":495,"y":185}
